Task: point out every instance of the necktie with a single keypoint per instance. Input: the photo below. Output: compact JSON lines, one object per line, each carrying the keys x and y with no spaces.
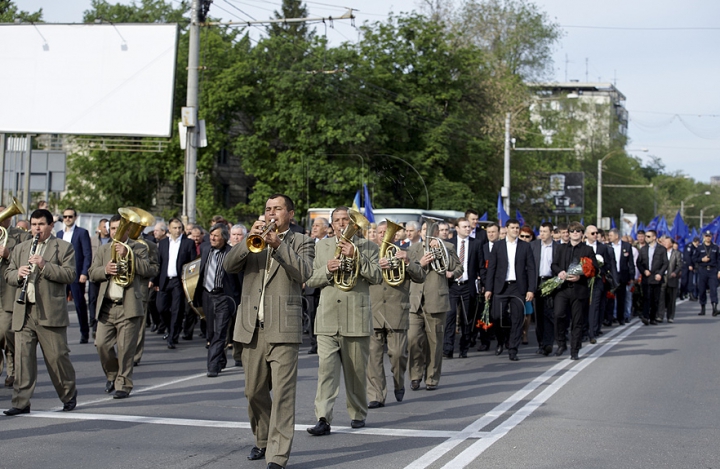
{"x":210,"y":272}
{"x":462,"y":252}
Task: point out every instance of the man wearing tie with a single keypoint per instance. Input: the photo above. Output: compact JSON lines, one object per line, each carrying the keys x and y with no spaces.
{"x":80,"y":240}
{"x":653,"y":264}
{"x":219,"y":296}
{"x":625,"y":267}
{"x":463,"y":292}
{"x":596,"y":312}
{"x":542,"y":249}
{"x":511,"y":275}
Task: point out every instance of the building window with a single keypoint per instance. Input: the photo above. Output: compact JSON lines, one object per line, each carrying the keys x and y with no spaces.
{"x":222,"y":157}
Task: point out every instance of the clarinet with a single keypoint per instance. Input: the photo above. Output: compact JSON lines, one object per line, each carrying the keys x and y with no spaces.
{"x":23,"y":293}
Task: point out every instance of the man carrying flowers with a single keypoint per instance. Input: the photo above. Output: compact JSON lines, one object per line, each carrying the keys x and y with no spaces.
{"x":574,"y":263}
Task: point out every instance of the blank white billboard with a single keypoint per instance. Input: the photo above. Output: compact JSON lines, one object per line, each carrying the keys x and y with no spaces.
{"x":87,"y":79}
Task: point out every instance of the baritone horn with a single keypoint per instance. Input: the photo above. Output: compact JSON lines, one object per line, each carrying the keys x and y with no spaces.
{"x":346,"y":276}
{"x":396,"y":274}
{"x":256,"y":243}
{"x":441,"y":258}
{"x":14,"y":209}
{"x":132,"y":223}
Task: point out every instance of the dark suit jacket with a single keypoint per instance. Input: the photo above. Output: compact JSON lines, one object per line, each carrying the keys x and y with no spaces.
{"x":609,"y":264}
{"x":658,"y":265}
{"x":525,"y":273}
{"x":474,"y":253}
{"x":536,"y":247}
{"x":186,"y":253}
{"x":564,"y":256}
{"x":484,"y":264}
{"x":230,"y":283}
{"x":83,"y":250}
{"x":627,"y":265}
{"x":675,"y":266}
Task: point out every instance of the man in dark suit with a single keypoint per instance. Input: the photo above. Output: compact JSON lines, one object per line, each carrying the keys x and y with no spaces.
{"x":476,"y":232}
{"x":219,"y":293}
{"x":596,"y":312}
{"x":173,"y":252}
{"x":574,"y":293}
{"x":625,"y":268}
{"x":512,"y":277}
{"x":463,"y":292}
{"x":543,"y":249}
{"x":80,"y":240}
{"x":652,"y":263}
{"x":493,"y":235}
{"x":669,"y":289}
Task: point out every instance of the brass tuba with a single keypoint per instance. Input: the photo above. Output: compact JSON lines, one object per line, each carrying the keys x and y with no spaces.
{"x":133,"y":221}
{"x":441,"y":258}
{"x":396,"y":274}
{"x":346,"y":276}
{"x":14,"y":209}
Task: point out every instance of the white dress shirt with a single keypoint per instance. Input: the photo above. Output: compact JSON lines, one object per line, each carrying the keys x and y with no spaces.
{"x":511,"y":250}
{"x":174,"y":249}
{"x":546,"y":255}
{"x":68,"y":233}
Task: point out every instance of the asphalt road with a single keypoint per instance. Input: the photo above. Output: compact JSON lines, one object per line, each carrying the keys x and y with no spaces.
{"x":644,"y":396}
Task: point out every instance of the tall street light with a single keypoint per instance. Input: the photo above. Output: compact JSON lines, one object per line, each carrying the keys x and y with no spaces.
{"x":599,"y":180}
{"x":702,"y":213}
{"x":682,"y":203}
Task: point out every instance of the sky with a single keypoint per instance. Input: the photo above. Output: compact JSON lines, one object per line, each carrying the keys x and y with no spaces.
{"x":661,"y":54}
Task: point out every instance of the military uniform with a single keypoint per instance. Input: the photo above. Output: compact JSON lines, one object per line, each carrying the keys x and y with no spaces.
{"x":707,"y":260}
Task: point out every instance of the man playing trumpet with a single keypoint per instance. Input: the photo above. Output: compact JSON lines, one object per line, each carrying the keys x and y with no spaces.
{"x":120,"y":309}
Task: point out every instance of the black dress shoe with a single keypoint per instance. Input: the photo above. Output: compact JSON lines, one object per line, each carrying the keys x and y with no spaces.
{"x":483,"y":348}
{"x":431,"y":387}
{"x":272,"y":465}
{"x":400,"y":393}
{"x":238,"y":363}
{"x":256,"y":453}
{"x":15,"y":411}
{"x":170,"y":344}
{"x":9,"y":381}
{"x":561,"y":349}
{"x":539,"y":351}
{"x":121,"y":394}
{"x":547,"y":350}
{"x":312,"y":351}
{"x":137,"y":363}
{"x":109,"y":386}
{"x":375,"y":404}
{"x":447,"y":355}
{"x":514,"y":357}
{"x":574,"y":356}
{"x":645,"y":321}
{"x":593,"y":341}
{"x":463,"y":354}
{"x":186,"y":337}
{"x":321,"y":428}
{"x":357,"y":423}
{"x":212,"y":374}
{"x":415,"y":384}
{"x":161,"y":330}
{"x":165,"y":336}
{"x":499,"y":349}
{"x":84,"y":339}
{"x":153,"y":328}
{"x":69,"y":405}
{"x":201,"y":335}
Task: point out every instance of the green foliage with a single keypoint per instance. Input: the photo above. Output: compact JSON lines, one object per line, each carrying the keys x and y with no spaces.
{"x":291,"y":9}
{"x":147,"y":11}
{"x":9,"y":13}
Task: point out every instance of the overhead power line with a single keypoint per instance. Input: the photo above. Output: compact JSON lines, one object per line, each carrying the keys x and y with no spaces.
{"x":633,"y":28}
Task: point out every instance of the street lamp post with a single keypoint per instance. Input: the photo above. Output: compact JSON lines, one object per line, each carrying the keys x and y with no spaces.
{"x":599,"y":181}
{"x":702,"y":213}
{"x":682,"y":203}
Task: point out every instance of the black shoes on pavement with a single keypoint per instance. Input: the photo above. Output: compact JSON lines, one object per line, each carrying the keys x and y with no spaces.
{"x":15,"y":411}
{"x":321,"y":428}
{"x":256,"y":453}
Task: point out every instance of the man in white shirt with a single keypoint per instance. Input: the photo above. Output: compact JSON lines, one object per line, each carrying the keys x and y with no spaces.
{"x":542,"y":249}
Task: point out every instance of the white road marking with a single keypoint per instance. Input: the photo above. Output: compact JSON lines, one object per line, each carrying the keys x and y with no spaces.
{"x":439,"y":451}
{"x":477,"y":448}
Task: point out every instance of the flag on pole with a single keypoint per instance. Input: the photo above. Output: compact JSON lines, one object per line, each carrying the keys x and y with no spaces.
{"x":356,"y":202}
{"x":368,"y":206}
{"x":503,"y":217}
{"x":679,"y":231}
{"x":653,"y":224}
{"x":483,"y":217}
{"x":520,"y":218}
{"x":633,"y":233}
{"x":612,"y":223}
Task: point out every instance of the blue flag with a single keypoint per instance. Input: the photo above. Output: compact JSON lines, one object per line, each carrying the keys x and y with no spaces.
{"x":612,"y":223}
{"x":679,"y":231}
{"x":356,"y":202}
{"x":641,"y":226}
{"x":653,"y":224}
{"x":582,"y":221}
{"x":503,"y":217}
{"x":633,"y":233}
{"x":368,"y":206}
{"x":520,"y":218}
{"x":483,"y":217}
{"x":662,"y":227}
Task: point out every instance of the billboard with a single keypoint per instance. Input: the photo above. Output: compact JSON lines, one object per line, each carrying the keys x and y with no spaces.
{"x":88,"y":79}
{"x":566,"y":194}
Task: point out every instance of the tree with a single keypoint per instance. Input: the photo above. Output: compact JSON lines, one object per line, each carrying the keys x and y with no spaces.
{"x":291,"y":9}
{"x":9,"y":13}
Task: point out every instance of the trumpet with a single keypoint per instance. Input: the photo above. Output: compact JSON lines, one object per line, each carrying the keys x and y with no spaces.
{"x":441,"y":258}
{"x":256,"y":243}
{"x":396,"y":274}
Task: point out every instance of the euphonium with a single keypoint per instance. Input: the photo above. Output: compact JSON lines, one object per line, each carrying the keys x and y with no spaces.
{"x":441,"y":258}
{"x":346,"y":276}
{"x":396,"y":274}
{"x":256,"y":243}
{"x":132,"y":223}
{"x":14,"y":209}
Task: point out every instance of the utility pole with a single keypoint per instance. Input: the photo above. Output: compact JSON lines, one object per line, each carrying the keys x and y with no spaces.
{"x":505,"y":191}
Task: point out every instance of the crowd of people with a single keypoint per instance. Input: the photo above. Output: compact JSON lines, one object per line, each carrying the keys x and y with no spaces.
{"x":422,"y":292}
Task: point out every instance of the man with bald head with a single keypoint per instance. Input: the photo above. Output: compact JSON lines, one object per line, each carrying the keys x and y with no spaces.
{"x":596,"y":313}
